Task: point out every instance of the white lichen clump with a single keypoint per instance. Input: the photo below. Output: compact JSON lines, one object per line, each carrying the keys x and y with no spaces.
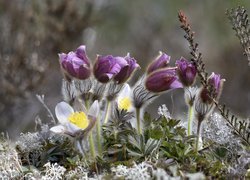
{"x":161,"y":174}
{"x":53,"y":171}
{"x":216,"y":129}
{"x":10,"y":166}
{"x":140,"y":171}
{"x":29,"y":142}
{"x":163,"y":111}
{"x":78,"y":173}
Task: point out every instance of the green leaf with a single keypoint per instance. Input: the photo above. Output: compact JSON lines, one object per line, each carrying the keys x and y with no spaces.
{"x":172,"y":123}
{"x":151,"y":146}
{"x":157,"y":132}
{"x":134,"y":154}
{"x":221,"y":152}
{"x":147,"y":119}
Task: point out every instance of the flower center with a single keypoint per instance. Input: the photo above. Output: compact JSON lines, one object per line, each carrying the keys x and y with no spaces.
{"x":79,"y":119}
{"x":124,"y":103}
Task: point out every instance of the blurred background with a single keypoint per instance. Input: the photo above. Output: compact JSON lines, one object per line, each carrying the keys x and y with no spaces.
{"x":33,"y":32}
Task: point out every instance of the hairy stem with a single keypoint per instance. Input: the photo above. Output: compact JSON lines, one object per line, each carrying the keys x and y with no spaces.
{"x":92,"y":145}
{"x":190,"y":119}
{"x":138,"y":119}
{"x":87,"y":104}
{"x":98,"y":130}
{"x":198,"y":135}
{"x":107,"y":111}
{"x":79,"y":145}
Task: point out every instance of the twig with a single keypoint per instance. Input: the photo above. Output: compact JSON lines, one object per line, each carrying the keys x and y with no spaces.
{"x":239,"y":20}
{"x":41,"y":100}
{"x":242,"y":129}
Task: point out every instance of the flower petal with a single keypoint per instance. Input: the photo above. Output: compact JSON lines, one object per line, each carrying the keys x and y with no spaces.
{"x":58,"y":129}
{"x":176,"y":84}
{"x":126,"y":69}
{"x":68,"y":66}
{"x":106,"y":67}
{"x":125,"y":92}
{"x":81,"y":51}
{"x":121,"y":61}
{"x":73,"y":61}
{"x":84,"y":72}
{"x":63,"y":110}
{"x":94,"y":109}
{"x":161,"y":61}
{"x":72,"y":128}
{"x":186,"y":71}
{"x":62,"y":57}
{"x":162,"y":80}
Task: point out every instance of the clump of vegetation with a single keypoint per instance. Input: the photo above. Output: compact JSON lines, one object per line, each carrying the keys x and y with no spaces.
{"x":101,"y":129}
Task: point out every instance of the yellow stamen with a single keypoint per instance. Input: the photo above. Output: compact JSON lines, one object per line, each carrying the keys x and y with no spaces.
{"x":79,"y":119}
{"x":124,"y":103}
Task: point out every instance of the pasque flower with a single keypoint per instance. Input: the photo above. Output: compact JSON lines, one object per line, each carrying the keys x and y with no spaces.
{"x":127,"y":70}
{"x":161,"y":61}
{"x":124,"y":100}
{"x":71,"y":122}
{"x":76,"y":64}
{"x":163,"y":80}
{"x":186,"y":71}
{"x":204,"y":105}
{"x":216,"y":85}
{"x":106,"y":67}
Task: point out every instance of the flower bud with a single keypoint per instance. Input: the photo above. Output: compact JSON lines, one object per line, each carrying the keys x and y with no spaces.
{"x":127,"y":70}
{"x":216,"y":84}
{"x":163,"y":80}
{"x":161,"y":61}
{"x":76,"y":64}
{"x":106,"y":67}
{"x":186,"y":72}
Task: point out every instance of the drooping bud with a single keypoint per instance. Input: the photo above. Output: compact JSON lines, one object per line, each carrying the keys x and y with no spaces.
{"x":76,"y":64}
{"x":186,"y":72}
{"x":163,"y":80}
{"x":216,"y":85}
{"x":161,"y":61}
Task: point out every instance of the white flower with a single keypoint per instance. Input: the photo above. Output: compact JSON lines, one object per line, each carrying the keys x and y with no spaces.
{"x":72,"y":121}
{"x":124,"y":99}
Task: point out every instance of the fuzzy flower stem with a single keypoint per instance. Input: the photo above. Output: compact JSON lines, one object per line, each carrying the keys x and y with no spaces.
{"x":81,"y":146}
{"x":107,"y":112}
{"x":98,"y":130}
{"x":198,"y":135}
{"x":87,"y":103}
{"x":138,"y":111}
{"x":92,"y":145}
{"x":190,"y":118}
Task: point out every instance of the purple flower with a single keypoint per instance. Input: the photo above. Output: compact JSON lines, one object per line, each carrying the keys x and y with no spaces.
{"x":106,"y":67}
{"x":216,"y":84}
{"x":127,"y":70}
{"x":163,"y":80}
{"x":76,"y":64}
{"x":186,"y":71}
{"x":161,"y":61}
